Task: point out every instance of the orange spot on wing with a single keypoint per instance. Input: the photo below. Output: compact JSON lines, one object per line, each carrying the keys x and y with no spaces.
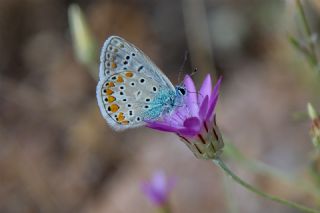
{"x":109,"y":92}
{"x":111,"y":99}
{"x":125,"y":122}
{"x":114,"y":108}
{"x":113,"y":65}
{"x":119,"y":79}
{"x":110,"y":84}
{"x":121,"y":117}
{"x":129,"y":74}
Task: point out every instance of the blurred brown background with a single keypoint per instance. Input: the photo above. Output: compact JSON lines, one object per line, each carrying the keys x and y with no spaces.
{"x":58,"y":155}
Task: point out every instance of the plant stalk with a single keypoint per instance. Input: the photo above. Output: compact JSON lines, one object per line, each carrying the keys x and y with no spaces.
{"x":253,"y":189}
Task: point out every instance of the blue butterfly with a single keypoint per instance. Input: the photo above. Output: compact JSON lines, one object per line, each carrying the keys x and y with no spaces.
{"x":132,"y":89}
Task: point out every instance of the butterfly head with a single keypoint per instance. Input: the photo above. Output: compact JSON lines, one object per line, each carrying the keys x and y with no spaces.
{"x":181,"y":90}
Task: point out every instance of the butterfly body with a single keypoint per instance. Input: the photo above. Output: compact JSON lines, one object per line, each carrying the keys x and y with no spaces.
{"x":163,"y":103}
{"x":131,"y":89}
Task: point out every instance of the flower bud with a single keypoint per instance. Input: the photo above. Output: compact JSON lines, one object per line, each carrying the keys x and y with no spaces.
{"x":315,"y":126}
{"x":84,"y":43}
{"x":158,"y":188}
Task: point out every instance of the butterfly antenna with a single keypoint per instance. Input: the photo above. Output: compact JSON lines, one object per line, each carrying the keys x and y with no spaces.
{"x":198,"y":93}
{"x":186,"y":55}
{"x":194,"y":71}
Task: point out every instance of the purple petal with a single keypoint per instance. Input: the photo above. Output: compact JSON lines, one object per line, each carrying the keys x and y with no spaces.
{"x":159,"y":182}
{"x":175,"y":119}
{"x":212,"y":106}
{"x":213,"y":100}
{"x":188,"y":132}
{"x":193,"y":124}
{"x":162,"y":183}
{"x":158,"y":188}
{"x":153,"y":195}
{"x":182,"y":113}
{"x":161,"y":126}
{"x":191,"y":99}
{"x":204,"y":108}
{"x":215,"y":89}
{"x":205,"y":89}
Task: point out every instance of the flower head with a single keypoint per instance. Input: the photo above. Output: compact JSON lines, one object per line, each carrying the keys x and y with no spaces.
{"x":158,"y":188}
{"x":194,"y":121}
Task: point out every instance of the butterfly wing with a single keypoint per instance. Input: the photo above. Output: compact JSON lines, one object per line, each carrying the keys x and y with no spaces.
{"x":118,"y":55}
{"x":127,"y":98}
{"x":129,"y":84}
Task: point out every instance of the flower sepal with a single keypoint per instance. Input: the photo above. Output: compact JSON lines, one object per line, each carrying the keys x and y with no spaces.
{"x":207,"y":145}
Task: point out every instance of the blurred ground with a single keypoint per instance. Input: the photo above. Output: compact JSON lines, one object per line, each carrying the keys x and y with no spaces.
{"x":58,"y":155}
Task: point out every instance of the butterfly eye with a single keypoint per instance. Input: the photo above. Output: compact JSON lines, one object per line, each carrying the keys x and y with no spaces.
{"x":182,"y":91}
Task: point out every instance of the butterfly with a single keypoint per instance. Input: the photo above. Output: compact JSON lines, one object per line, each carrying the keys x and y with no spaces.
{"x":131,"y":88}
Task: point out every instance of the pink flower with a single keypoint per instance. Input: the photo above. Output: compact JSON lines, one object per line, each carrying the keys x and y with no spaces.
{"x":194,"y":121}
{"x":158,"y":188}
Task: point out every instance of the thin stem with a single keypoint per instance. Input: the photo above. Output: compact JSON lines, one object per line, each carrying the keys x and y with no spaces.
{"x":165,"y":208}
{"x":251,"y":188}
{"x":303,"y":49}
{"x":313,"y":54}
{"x":256,"y":166}
{"x":304,"y":18}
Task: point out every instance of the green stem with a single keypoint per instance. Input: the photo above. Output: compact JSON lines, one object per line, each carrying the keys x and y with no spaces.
{"x":258,"y":167}
{"x":165,"y":208}
{"x":251,"y":188}
{"x":313,"y":54}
